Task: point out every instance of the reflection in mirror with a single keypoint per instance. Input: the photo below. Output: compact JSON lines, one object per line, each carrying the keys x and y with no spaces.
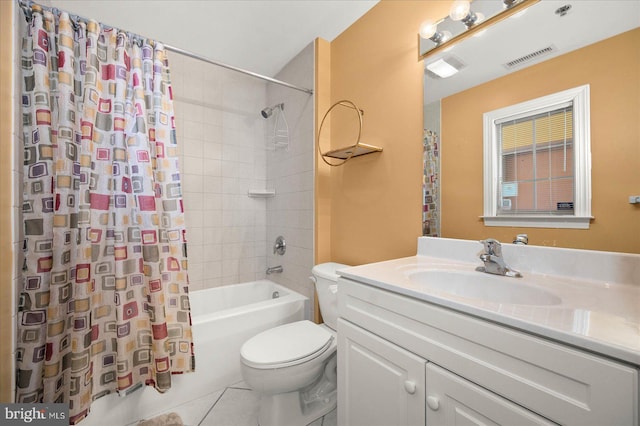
{"x":535,"y":36}
{"x":465,"y":20}
{"x":431,"y":172}
{"x":549,"y":48}
{"x":430,"y":187}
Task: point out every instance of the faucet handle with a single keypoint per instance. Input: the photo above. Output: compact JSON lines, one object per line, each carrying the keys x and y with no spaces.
{"x":492,"y":247}
{"x":522,"y":239}
{"x":280,"y":246}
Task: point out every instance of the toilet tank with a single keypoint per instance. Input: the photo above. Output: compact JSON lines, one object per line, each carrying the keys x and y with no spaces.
{"x":326,"y":280}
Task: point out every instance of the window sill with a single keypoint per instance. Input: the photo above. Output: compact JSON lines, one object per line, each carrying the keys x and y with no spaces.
{"x":569,"y":222}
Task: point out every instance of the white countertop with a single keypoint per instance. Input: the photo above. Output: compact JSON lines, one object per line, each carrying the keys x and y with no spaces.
{"x":600,"y":292}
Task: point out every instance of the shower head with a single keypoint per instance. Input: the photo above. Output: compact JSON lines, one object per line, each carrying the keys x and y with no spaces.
{"x":266,"y":113}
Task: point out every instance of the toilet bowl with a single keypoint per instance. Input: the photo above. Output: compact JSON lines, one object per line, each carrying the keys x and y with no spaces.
{"x":293,"y":366}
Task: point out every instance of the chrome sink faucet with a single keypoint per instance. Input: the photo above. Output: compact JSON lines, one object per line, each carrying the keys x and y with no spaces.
{"x":493,"y":260}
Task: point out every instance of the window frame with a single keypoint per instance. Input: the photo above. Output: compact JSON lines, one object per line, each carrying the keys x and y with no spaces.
{"x":579,"y":97}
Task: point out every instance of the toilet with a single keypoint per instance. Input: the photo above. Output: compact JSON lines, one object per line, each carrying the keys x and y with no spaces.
{"x":293,"y":366}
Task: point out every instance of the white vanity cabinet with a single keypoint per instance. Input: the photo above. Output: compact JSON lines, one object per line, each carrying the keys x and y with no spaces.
{"x":404,"y":361}
{"x":381,"y":383}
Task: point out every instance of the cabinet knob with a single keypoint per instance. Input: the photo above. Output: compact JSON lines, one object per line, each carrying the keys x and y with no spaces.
{"x":410,"y":387}
{"x":433,"y":403}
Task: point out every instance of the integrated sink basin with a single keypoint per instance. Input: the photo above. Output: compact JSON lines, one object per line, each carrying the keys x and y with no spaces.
{"x":482,"y":286}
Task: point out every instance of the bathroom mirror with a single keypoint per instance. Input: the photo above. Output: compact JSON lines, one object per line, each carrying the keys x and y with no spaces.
{"x":546,"y":31}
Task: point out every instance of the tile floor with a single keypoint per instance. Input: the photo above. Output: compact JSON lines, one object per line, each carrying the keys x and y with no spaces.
{"x":236,"y":405}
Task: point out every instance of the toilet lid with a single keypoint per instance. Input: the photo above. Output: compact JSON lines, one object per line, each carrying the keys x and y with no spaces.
{"x":286,"y":344}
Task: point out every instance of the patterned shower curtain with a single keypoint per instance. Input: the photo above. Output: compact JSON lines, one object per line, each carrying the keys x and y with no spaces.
{"x":104,"y":306}
{"x":431,"y":185}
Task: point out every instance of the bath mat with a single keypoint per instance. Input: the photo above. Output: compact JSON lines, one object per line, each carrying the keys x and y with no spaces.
{"x":171,"y":419}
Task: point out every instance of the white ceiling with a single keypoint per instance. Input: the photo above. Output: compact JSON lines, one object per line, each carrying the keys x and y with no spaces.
{"x":587,"y":22}
{"x":257,"y":35}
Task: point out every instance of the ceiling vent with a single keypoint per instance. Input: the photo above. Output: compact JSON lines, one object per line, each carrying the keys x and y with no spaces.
{"x":533,"y":56}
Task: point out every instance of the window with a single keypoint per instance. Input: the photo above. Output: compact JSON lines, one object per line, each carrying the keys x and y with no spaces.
{"x":537,"y":162}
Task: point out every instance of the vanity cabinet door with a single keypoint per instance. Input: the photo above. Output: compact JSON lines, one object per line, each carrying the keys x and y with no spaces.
{"x":452,"y":400}
{"x":379,"y":383}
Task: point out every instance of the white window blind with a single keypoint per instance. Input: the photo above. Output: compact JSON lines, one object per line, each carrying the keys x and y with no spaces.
{"x":536,"y":163}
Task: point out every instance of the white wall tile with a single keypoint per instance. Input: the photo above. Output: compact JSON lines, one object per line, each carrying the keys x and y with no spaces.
{"x":212,"y":127}
{"x":194,"y":219}
{"x":195,"y":270}
{"x":212,"y":203}
{"x":193,"y":200}
{"x":212,"y":185}
{"x":193,"y":129}
{"x":211,"y":167}
{"x":192,"y":183}
{"x":193,"y":165}
{"x":213,"y":253}
{"x":213,"y":234}
{"x":222,"y":140}
{"x":192,"y":147}
{"x":212,"y":274}
{"x":196,"y":252}
{"x":195,"y":239}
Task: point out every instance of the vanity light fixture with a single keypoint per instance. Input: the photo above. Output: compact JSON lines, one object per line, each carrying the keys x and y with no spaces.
{"x":432,"y":40}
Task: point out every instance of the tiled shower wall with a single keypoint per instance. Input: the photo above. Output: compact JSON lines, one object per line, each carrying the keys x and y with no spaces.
{"x":225,"y":153}
{"x":221,"y":137}
{"x":290,"y":172}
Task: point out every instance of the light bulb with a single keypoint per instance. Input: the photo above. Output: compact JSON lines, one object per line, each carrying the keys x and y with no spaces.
{"x":428,"y":29}
{"x":459,"y":10}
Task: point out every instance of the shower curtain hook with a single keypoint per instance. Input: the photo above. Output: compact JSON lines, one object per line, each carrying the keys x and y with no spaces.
{"x":26,"y":9}
{"x":74,"y":22}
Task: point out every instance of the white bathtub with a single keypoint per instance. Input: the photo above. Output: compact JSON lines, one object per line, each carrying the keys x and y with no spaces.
{"x":223,"y":319}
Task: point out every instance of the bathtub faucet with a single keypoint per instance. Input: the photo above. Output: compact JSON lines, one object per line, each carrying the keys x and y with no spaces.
{"x":493,"y":260}
{"x":274,"y":269}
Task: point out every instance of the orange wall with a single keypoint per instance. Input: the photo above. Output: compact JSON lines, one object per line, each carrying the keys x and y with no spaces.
{"x":612,"y":69}
{"x":376,"y":199}
{"x":6,"y":154}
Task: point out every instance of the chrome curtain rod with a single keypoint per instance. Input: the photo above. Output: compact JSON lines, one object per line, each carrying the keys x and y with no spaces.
{"x":240,"y":70}
{"x":26,"y":5}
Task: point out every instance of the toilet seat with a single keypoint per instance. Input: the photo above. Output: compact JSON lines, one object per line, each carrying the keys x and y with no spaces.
{"x":286,"y":345}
